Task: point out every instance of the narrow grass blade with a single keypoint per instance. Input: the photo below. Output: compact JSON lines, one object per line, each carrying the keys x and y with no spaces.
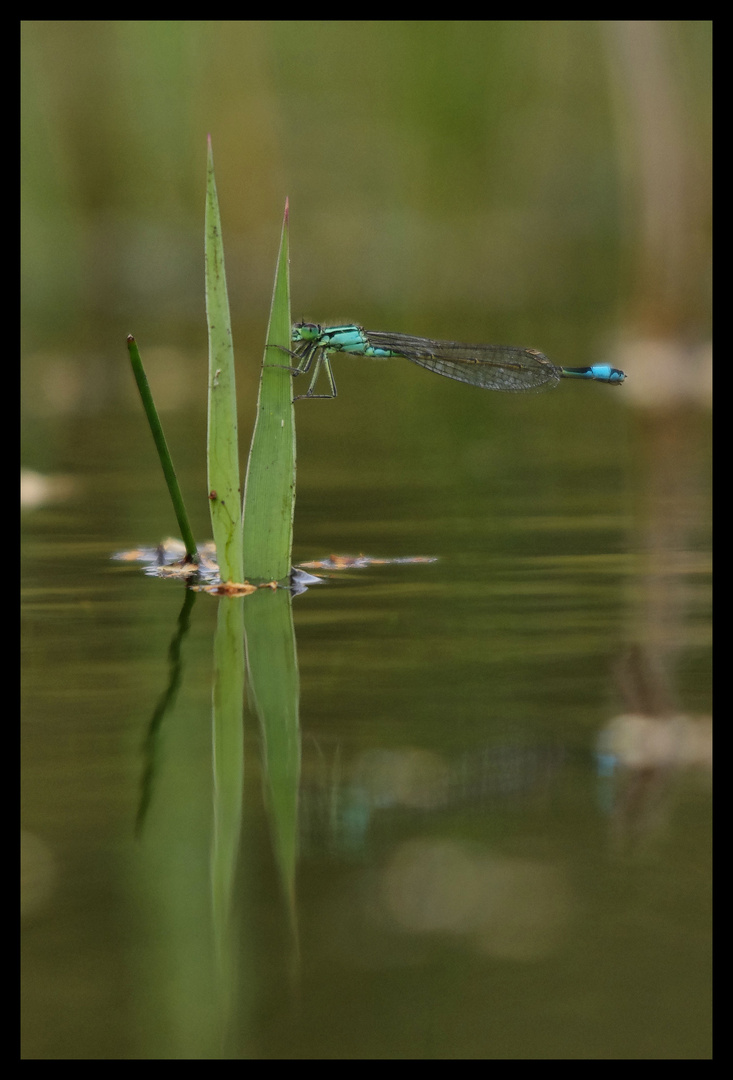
{"x":163,"y":453}
{"x":269,"y":495}
{"x":222,"y":449}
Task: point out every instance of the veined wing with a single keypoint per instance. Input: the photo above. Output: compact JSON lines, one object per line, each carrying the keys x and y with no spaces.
{"x":493,"y":367}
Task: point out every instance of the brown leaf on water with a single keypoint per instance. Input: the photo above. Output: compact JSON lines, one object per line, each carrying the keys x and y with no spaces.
{"x":352,"y":562}
{"x":228,"y":588}
{"x":180,"y":571}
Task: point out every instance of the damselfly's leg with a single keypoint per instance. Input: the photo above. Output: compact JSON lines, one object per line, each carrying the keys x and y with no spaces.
{"x":305,"y":359}
{"x":321,"y":361}
{"x":300,"y":357}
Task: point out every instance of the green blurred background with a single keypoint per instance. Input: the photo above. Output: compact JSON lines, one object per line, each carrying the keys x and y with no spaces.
{"x":538,"y":183}
{"x":544,"y":184}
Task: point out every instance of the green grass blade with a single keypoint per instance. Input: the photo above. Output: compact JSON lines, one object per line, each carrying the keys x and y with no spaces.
{"x":222,"y":451}
{"x":162,"y":447}
{"x":269,"y":494}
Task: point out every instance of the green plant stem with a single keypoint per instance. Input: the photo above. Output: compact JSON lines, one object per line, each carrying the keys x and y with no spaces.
{"x":222,"y":451}
{"x":269,"y":495}
{"x":162,"y":447}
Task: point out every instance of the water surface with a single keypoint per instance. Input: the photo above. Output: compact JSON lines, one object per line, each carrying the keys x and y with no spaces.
{"x":499,"y":761}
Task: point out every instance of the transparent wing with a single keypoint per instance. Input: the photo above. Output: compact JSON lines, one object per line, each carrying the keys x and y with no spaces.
{"x":493,"y":367}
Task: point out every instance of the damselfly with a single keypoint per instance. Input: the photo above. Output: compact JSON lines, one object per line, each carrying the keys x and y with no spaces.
{"x":493,"y":367}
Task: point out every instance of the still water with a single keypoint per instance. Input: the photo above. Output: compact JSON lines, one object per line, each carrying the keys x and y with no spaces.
{"x":465,"y":810}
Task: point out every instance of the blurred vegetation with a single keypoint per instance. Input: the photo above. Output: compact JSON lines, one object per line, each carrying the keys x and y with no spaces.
{"x":441,"y":175}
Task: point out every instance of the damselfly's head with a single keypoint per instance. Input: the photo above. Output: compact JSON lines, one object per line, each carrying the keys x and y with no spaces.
{"x":306,"y":331}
